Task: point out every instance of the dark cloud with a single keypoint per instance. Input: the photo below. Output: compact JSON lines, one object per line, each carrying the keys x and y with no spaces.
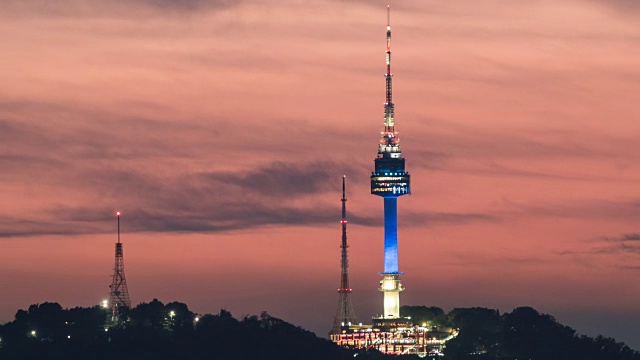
{"x":433,"y":218}
{"x":624,"y":243}
{"x":496,"y":169}
{"x":210,"y":202}
{"x":285,"y":179}
{"x":425,"y":219}
{"x":586,"y":209}
{"x":622,"y":6}
{"x":106,"y":8}
{"x":431,"y":159}
{"x":215,"y":218}
{"x":189,"y":5}
{"x":143,"y":164}
{"x":630,"y":237}
{"x":18,"y":227}
{"x":452,"y":139}
{"x":73,"y":134}
{"x":199,"y":202}
{"x":465,"y":149}
{"x":630,"y":267}
{"x":609,"y":245}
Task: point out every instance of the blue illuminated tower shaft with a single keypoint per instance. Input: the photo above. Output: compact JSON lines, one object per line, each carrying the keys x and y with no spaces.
{"x":391,"y":235}
{"x":390,"y":180}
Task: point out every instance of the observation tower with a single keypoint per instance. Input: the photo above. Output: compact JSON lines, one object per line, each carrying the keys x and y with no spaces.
{"x":390,"y":180}
{"x":390,"y":333}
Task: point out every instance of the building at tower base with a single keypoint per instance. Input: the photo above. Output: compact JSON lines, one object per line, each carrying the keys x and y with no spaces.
{"x":397,"y":337}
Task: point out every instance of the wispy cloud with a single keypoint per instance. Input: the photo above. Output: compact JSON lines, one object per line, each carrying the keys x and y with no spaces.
{"x":626,"y":244}
{"x":623,"y":243}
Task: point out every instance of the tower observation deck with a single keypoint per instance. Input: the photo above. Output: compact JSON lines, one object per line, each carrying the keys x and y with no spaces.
{"x":390,"y":180}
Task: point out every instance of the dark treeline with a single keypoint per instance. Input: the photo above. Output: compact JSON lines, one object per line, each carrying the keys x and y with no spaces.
{"x":158,"y":331}
{"x":522,"y":334}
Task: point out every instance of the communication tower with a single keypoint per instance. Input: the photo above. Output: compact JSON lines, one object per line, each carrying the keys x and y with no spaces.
{"x":118,"y":294}
{"x":345,"y":315}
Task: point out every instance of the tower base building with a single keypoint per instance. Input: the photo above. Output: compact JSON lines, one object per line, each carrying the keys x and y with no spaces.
{"x":397,"y":337}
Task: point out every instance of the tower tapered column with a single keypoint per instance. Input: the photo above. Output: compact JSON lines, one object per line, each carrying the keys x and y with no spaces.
{"x":390,"y":235}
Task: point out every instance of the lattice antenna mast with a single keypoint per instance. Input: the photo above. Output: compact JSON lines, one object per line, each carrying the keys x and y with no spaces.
{"x":344,"y":282}
{"x":119,"y":293}
{"x":345,"y":315}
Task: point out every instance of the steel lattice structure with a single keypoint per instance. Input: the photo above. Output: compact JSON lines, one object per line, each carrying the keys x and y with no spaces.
{"x":119,"y":293}
{"x":345,"y":315}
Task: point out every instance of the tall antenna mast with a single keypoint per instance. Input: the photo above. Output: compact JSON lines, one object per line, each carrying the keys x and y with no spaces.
{"x":345,"y":315}
{"x":344,"y":283}
{"x":119,"y":293}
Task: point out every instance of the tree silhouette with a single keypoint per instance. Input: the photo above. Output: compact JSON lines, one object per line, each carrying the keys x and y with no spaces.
{"x":157,"y":331}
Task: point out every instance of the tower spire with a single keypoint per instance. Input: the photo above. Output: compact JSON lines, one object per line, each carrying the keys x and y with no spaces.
{"x":389,"y":142}
{"x":388,"y":15}
{"x":119,"y":293}
{"x":345,"y":314}
{"x":118,"y":215}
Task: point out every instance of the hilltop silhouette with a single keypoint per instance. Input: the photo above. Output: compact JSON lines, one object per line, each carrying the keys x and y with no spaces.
{"x":157,"y":331}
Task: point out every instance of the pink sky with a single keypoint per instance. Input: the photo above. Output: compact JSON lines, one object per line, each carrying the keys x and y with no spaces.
{"x":221,"y":130}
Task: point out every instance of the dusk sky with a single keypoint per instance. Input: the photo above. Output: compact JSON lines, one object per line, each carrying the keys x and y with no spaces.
{"x":221,"y":129}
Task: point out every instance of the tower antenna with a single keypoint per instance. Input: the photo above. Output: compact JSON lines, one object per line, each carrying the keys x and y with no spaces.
{"x":118,"y":215}
{"x":345,"y":316}
{"x":388,"y":15}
